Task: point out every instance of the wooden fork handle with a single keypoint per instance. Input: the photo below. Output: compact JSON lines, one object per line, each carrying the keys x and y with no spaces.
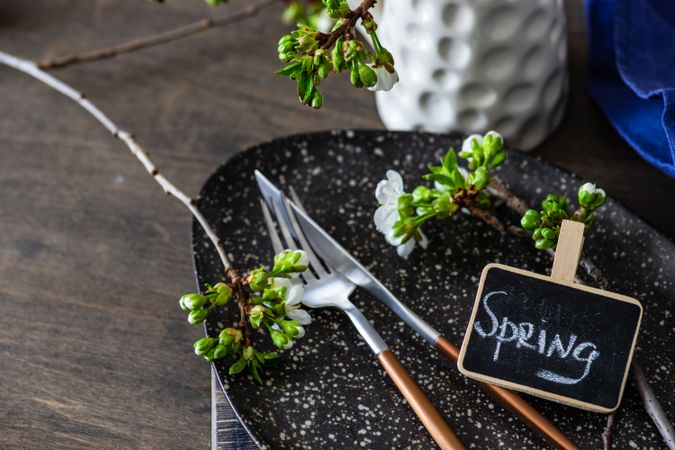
{"x":515,"y":404}
{"x":444,"y":436}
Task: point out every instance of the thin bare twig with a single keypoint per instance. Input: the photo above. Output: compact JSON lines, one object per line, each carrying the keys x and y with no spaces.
{"x":607,"y":433}
{"x":652,"y":406}
{"x":651,"y":403}
{"x":30,"y":68}
{"x":154,"y":39}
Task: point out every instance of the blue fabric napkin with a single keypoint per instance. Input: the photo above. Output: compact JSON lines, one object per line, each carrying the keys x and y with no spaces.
{"x":632,"y":73}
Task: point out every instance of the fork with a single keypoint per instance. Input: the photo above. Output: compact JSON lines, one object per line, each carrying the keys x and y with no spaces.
{"x":325,"y":288}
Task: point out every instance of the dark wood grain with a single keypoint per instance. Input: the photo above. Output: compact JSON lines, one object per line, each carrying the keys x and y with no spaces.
{"x":94,"y":352}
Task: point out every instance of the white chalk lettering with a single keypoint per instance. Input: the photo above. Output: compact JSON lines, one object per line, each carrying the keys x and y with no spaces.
{"x":505,"y":331}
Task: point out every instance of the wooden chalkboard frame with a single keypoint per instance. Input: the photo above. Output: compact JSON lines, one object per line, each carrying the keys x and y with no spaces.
{"x":534,"y":391}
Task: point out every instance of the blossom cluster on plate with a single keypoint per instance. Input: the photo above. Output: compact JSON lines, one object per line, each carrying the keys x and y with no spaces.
{"x":268,"y":301}
{"x":400,"y":215}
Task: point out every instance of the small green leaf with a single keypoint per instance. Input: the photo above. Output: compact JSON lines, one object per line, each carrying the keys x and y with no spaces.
{"x":237,"y":367}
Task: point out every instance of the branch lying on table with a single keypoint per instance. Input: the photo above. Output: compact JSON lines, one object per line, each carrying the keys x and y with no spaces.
{"x":154,"y":39}
{"x":651,"y":403}
{"x":30,"y":68}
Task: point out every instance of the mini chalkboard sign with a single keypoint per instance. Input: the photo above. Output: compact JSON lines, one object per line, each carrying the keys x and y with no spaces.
{"x":551,"y":337}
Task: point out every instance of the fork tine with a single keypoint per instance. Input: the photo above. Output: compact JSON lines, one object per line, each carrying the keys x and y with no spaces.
{"x":290,"y":243}
{"x":314,"y":260}
{"x":271,"y":229}
{"x":296,"y":199}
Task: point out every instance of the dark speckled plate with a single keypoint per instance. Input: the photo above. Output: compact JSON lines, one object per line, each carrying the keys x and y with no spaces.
{"x":330,"y":392}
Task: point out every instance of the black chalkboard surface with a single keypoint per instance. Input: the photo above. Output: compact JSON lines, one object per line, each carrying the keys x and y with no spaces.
{"x":557,"y":340}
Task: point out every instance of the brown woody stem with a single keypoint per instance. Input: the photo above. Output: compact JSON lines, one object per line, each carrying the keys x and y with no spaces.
{"x":607,"y":433}
{"x":154,"y":39}
{"x":354,"y":16}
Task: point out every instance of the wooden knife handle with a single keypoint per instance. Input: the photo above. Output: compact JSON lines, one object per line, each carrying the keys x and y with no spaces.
{"x":444,"y":436}
{"x":515,"y":403}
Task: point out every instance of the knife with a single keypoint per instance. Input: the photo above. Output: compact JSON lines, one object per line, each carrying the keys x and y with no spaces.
{"x":339,"y":259}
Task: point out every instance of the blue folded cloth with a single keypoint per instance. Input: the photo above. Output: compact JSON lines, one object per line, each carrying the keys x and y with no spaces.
{"x":632,"y":73}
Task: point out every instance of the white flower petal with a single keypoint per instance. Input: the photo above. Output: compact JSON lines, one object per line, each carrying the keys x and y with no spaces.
{"x":406,"y":248}
{"x":494,"y":135}
{"x":385,"y":79}
{"x":289,"y":344}
{"x":439,"y":186}
{"x":304,"y":259}
{"x":294,"y":295}
{"x":299,"y":315}
{"x":464,"y":172}
{"x":385,"y":218}
{"x":279,"y":283}
{"x":466,"y":145}
{"x":601,"y":192}
{"x":424,"y":240}
{"x":301,"y":332}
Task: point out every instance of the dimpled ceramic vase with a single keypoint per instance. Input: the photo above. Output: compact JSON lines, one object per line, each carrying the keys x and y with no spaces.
{"x":476,"y":65}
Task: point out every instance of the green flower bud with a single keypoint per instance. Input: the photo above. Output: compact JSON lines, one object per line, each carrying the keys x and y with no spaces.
{"x":192,"y":301}
{"x":537,"y":233}
{"x":204,"y":345}
{"x":290,"y":327}
{"x":248,"y":353}
{"x":279,"y":339}
{"x":210,"y":355}
{"x":317,"y":98}
{"x":256,"y":316}
{"x":220,"y":352}
{"x":355,"y":78}
{"x":226,"y":337}
{"x":258,"y":279}
{"x":422,"y":194}
{"x":197,"y":316}
{"x":591,"y":197}
{"x":338,"y":57}
{"x":549,"y":234}
{"x":544,"y":244}
{"x":531,"y":219}
{"x":237,"y":367}
{"x":224,"y":293}
{"x":367,"y":75}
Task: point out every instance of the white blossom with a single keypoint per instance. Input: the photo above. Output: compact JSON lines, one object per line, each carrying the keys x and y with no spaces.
{"x":385,"y":79}
{"x":293,"y":299}
{"x":466,"y":144}
{"x":387,"y":194}
{"x":591,"y":189}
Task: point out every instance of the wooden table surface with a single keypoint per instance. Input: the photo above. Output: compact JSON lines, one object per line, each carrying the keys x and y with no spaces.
{"x":94,"y":351}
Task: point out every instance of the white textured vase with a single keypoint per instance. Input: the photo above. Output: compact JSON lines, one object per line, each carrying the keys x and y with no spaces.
{"x":476,"y":65}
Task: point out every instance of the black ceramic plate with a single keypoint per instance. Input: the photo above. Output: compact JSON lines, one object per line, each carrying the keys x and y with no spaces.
{"x":330,"y":391}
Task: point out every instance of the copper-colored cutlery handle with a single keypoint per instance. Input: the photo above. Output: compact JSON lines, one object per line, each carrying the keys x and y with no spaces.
{"x":515,"y":403}
{"x":444,"y":436}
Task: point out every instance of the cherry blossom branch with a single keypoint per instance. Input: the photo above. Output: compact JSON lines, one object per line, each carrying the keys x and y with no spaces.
{"x":607,"y":433}
{"x":649,"y":400}
{"x":30,"y":68}
{"x":652,"y":406}
{"x":154,"y":39}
